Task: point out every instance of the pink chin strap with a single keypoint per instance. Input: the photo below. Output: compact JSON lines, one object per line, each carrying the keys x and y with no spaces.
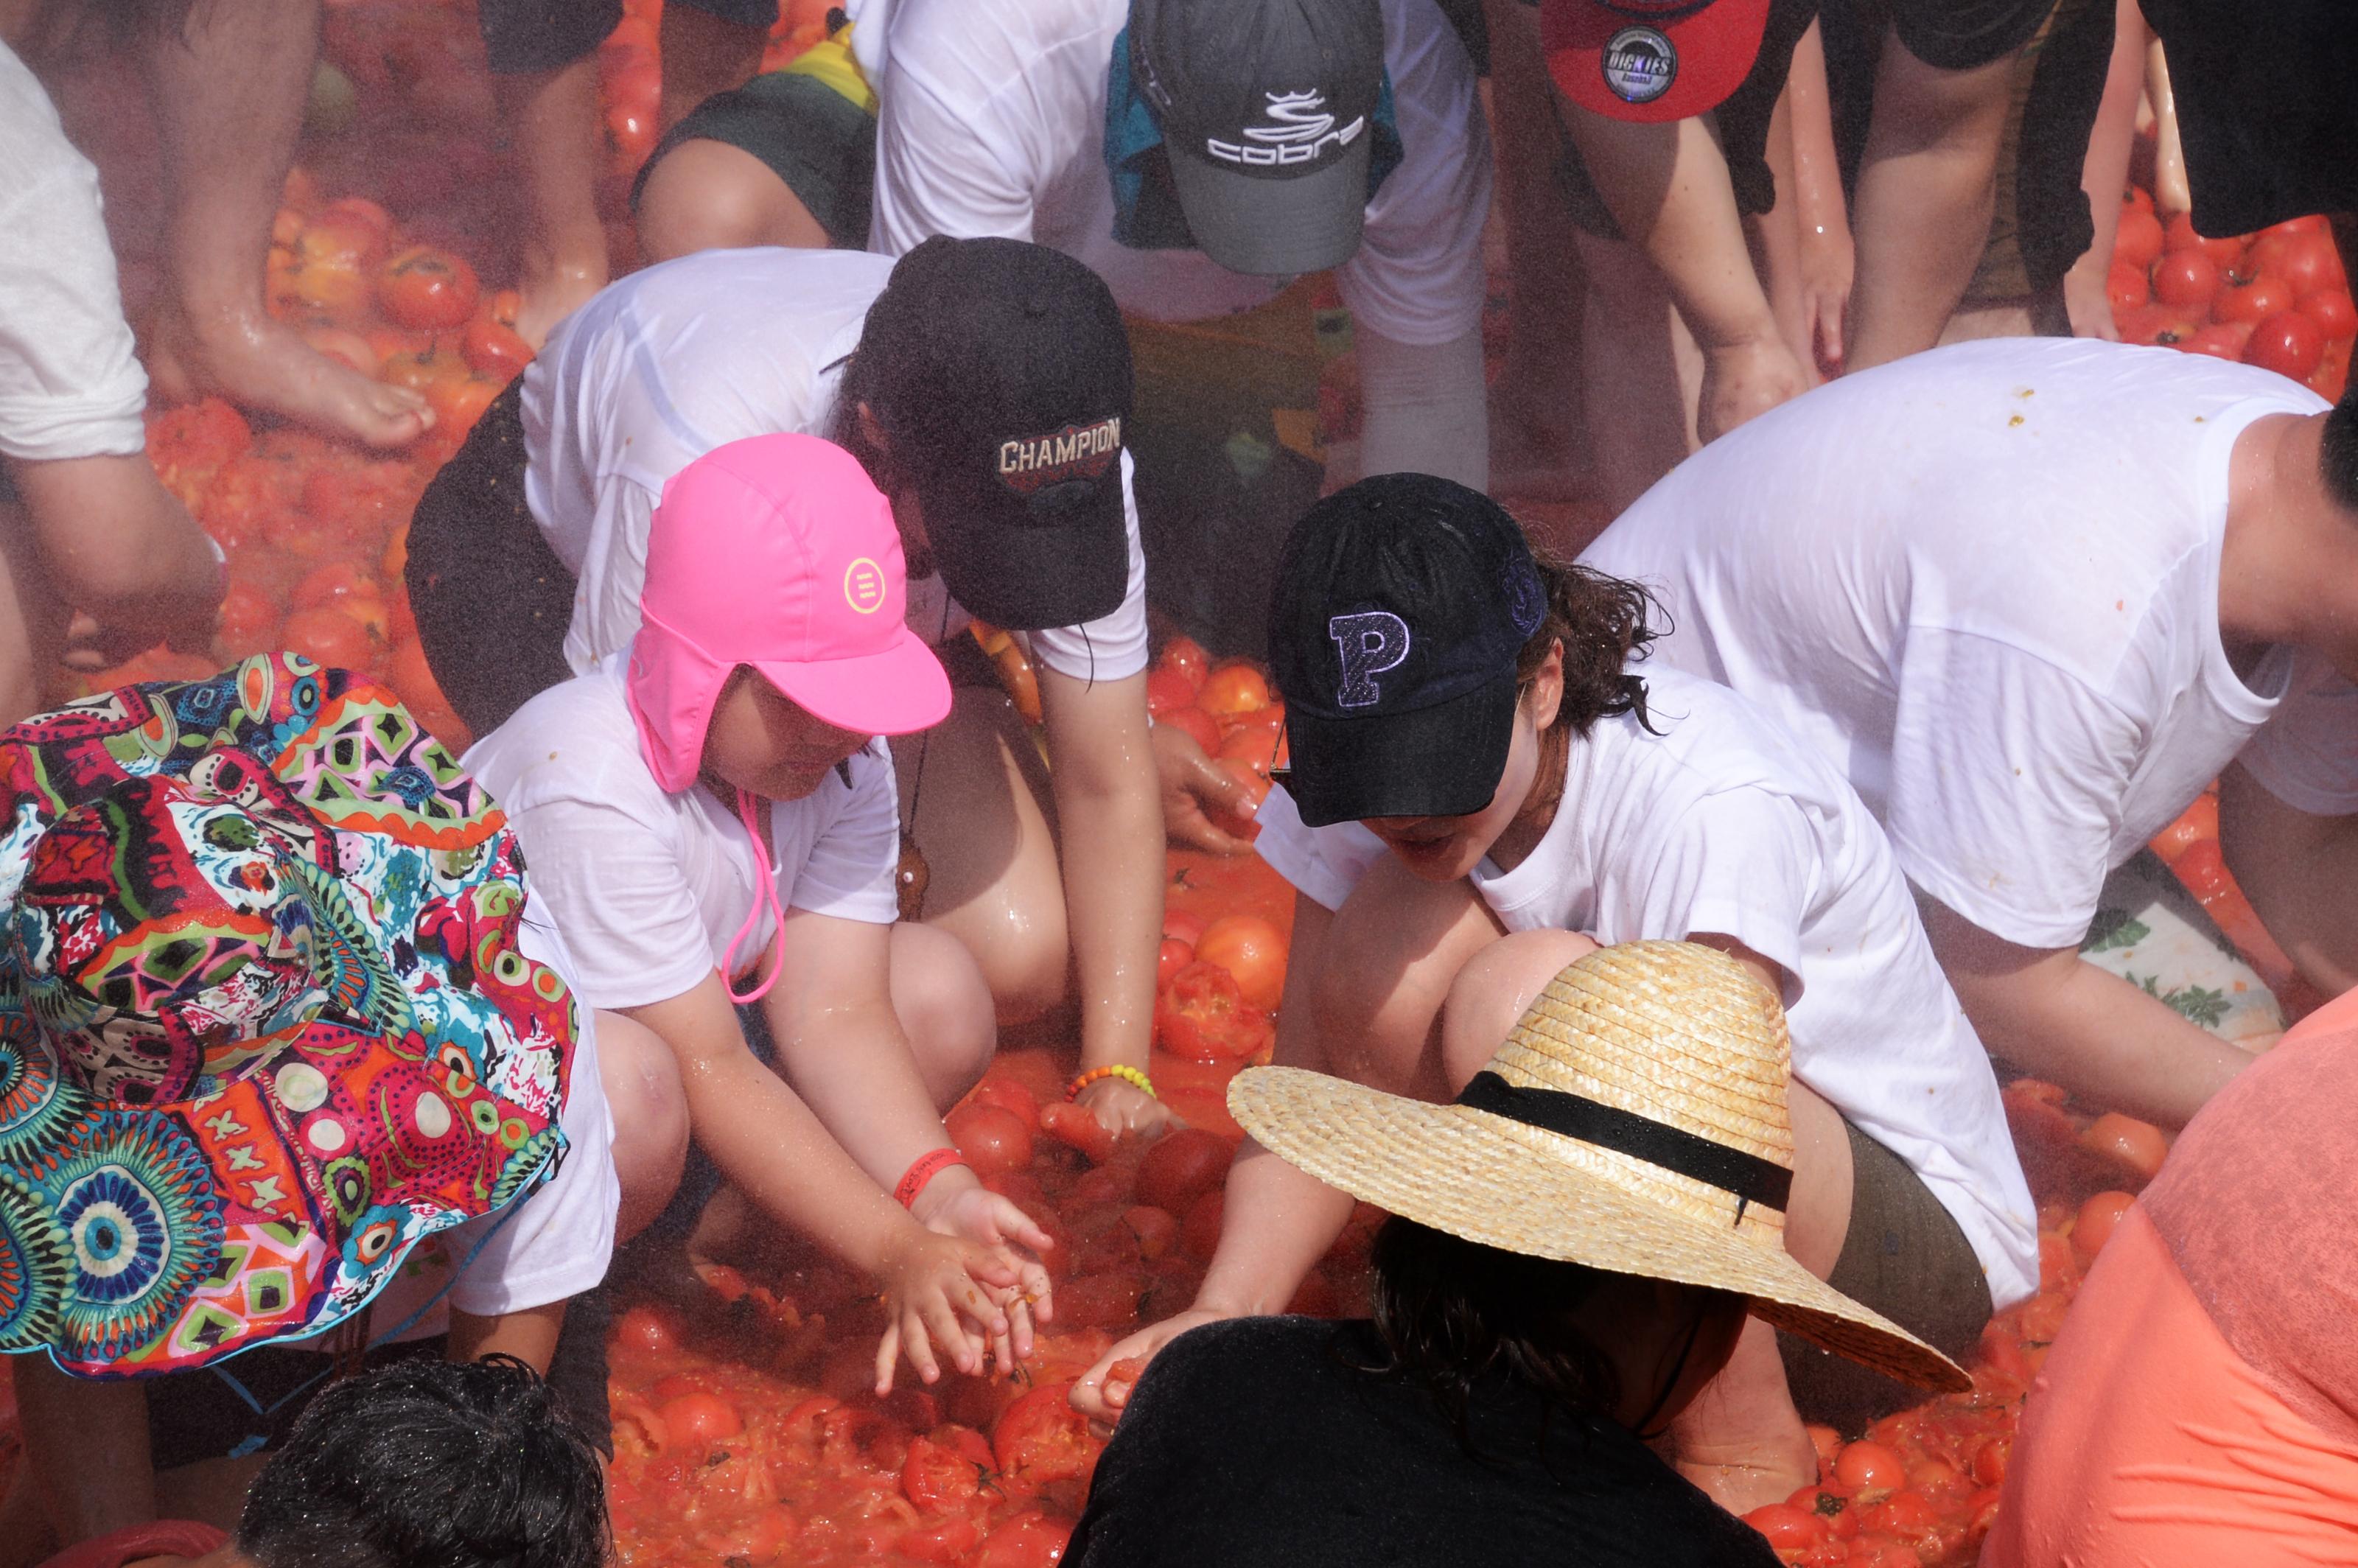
{"x":765,"y":896}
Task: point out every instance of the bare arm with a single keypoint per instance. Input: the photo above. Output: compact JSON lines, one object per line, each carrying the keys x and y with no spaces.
{"x":1828,"y":257}
{"x":1278,"y":1221}
{"x":1109,"y":812}
{"x":529,"y":1336}
{"x":119,"y":546}
{"x":2297,"y":869}
{"x":2060,"y":1018}
{"x":1668,"y":188}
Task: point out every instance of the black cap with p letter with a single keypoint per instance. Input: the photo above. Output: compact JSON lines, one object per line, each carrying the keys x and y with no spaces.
{"x":1402,"y":606}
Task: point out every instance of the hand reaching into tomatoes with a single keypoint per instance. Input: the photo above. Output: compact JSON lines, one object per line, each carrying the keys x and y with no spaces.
{"x":1122,"y":1107}
{"x":1195,"y":789}
{"x":1100,"y":1394}
{"x":931,"y":1282}
{"x":956,"y":1206}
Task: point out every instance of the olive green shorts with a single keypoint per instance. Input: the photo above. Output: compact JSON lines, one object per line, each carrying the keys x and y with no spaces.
{"x":813,"y":137}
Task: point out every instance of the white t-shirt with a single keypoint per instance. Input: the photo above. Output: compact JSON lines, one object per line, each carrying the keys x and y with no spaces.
{"x":556,"y":1241}
{"x":672,"y":362}
{"x":991,"y":121}
{"x":651,"y":887}
{"x":69,"y":386}
{"x":1984,"y":581}
{"x":1723,"y":825}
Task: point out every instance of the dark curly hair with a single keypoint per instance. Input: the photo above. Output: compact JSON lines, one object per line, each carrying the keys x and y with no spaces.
{"x":1603,"y":623}
{"x":2337,"y":453}
{"x":430,"y":1464}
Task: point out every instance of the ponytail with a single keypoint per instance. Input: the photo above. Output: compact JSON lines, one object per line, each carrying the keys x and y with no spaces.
{"x":1601,"y":623}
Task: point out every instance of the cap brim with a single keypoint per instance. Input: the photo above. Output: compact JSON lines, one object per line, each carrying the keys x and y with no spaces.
{"x":1026,"y":564}
{"x":895,"y":692}
{"x":1714,"y":48}
{"x":1276,"y":226}
{"x":1442,"y":760}
{"x":1479,"y":1177}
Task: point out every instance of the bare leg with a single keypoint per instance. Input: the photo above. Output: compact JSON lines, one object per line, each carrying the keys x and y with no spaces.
{"x":86,"y":1450}
{"x":554,"y":117}
{"x":230,"y":91}
{"x":1393,"y":951}
{"x":969,"y":795}
{"x":2103,"y":174}
{"x":641,"y":1078}
{"x":710,"y":196}
{"x":1537,"y":446}
{"x":945,"y":1008}
{"x":1776,"y":241}
{"x":1639,"y":417}
{"x":32,"y":623}
{"x":702,"y":55}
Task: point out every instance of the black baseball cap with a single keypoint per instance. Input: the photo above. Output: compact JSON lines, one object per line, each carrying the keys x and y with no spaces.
{"x":1267,"y":112}
{"x":1000,"y":371}
{"x":1402,"y":605}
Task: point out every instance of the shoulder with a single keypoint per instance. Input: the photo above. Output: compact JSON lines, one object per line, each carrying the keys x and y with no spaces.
{"x":576,"y":741}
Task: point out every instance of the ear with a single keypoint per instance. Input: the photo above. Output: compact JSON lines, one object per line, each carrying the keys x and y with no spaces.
{"x":1545,"y":698}
{"x":870,"y":431}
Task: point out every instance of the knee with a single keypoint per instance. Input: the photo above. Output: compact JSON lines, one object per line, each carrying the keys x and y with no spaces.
{"x":945,"y":1008}
{"x":649,"y":1104}
{"x":1026,"y":974}
{"x":1494,"y":988}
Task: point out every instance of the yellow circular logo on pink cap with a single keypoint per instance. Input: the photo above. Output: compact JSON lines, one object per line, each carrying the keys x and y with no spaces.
{"x":863,"y":586}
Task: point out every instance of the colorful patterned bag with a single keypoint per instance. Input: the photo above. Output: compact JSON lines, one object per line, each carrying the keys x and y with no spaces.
{"x":264,"y":1022}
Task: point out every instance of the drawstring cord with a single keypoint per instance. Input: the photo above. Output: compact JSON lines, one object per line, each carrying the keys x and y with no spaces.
{"x":765,"y":897}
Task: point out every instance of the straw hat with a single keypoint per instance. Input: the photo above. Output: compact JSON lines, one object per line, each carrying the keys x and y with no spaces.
{"x":1662,"y":1068}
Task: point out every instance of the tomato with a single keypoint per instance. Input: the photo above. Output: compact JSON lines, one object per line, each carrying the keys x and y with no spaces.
{"x":331,"y":638}
{"x":2309,"y":261}
{"x":2286,"y":343}
{"x":459,"y":401}
{"x":1253,"y":951}
{"x":1027,"y":1540}
{"x":1906,"y":1515}
{"x":2135,"y":197}
{"x":1869,"y":1467}
{"x":335,"y":581}
{"x":1194,"y":721}
{"x":1076,"y":1128}
{"x":1173,"y":957}
{"x":2179,"y":235}
{"x":1167,"y":689}
{"x":1883,"y":1554}
{"x":2202,"y":870}
{"x":2251,"y":297}
{"x":1787,"y":1526}
{"x":1185,"y":928}
{"x":1007,"y":1095}
{"x":2331,"y":310}
{"x":993,"y":1141}
{"x":2137,"y":1145}
{"x":1181,"y":1167}
{"x":1042,"y":1438}
{"x":2138,"y":240}
{"x":427,"y":288}
{"x":2126,"y":287}
{"x":2057,"y":1271}
{"x":2221,"y":341}
{"x":1199,"y":1232}
{"x":947,"y":1469}
{"x":1234,"y":689}
{"x":1108,"y":1299}
{"x":1991,"y":1459}
{"x":647,"y":1330}
{"x":947,"y":1542}
{"x":1203,"y":1016}
{"x":1249,"y":746}
{"x":2187,"y":280}
{"x":493,"y":349}
{"x":1831,"y":1503}
{"x":1152,"y":1230}
{"x":249,"y":621}
{"x":699,"y":1420}
{"x":1187,"y":656}
{"x":2162,"y":325}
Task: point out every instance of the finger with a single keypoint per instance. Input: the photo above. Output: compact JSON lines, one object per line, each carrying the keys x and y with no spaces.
{"x":920,"y":1330}
{"x":1017,"y":1225}
{"x":888,"y":1356}
{"x":1207,"y":781}
{"x":995,"y":1266}
{"x":1088,"y":1395}
{"x":1039,"y":1295}
{"x":1198,"y":832}
{"x":942,"y":1320}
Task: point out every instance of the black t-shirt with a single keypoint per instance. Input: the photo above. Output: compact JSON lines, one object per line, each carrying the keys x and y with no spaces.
{"x":1261,"y":1440}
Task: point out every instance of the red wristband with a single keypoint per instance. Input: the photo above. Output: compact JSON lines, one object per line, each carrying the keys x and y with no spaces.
{"x":924,"y":1170}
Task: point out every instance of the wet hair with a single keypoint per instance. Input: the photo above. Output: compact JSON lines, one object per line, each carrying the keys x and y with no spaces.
{"x":862,"y":378}
{"x":429,"y":1463}
{"x":1603,"y":623}
{"x":2337,"y":453}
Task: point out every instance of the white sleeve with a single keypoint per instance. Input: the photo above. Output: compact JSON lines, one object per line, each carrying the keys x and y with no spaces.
{"x":70,"y":385}
{"x":852,"y":871}
{"x":2307,"y":753}
{"x":1427,"y":408}
{"x":1417,"y":276}
{"x":1112,"y":647}
{"x":557,"y":1242}
{"x":2008,"y":777}
{"x":1739,"y":863}
{"x":937,"y":170}
{"x":628,"y":917}
{"x":1323,"y":863}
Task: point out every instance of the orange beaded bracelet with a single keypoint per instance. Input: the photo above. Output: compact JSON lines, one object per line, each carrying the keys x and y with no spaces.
{"x":1121,"y":1070}
{"x":923,"y":1169}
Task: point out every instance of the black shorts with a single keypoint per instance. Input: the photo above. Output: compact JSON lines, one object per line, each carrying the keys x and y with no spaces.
{"x":1906,"y":1257}
{"x":1961,"y":35}
{"x":523,"y":37}
{"x":247,"y":1403}
{"x":491,"y":600}
{"x":1743,"y":119}
{"x":811,"y":137}
{"x":2268,"y":107}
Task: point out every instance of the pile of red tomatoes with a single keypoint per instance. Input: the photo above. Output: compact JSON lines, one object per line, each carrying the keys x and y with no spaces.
{"x":2279,"y":298}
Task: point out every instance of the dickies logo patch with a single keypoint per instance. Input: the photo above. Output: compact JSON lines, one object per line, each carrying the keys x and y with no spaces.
{"x":1029,"y":464}
{"x":1639,"y":64}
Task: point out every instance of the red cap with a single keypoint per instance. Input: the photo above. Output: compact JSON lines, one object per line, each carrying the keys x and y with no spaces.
{"x":1652,"y":59}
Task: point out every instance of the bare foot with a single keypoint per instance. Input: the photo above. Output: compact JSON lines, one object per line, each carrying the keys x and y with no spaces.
{"x":1739,"y":1484}
{"x":259,"y":362}
{"x":556,"y":289}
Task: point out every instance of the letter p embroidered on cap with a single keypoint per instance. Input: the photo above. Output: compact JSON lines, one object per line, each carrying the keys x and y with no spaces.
{"x":1368,"y":643}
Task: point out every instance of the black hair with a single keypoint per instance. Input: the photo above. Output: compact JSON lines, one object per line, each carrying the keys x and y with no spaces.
{"x":429,"y":1463}
{"x":863,"y":373}
{"x":1602,"y":623}
{"x":2337,"y":453}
